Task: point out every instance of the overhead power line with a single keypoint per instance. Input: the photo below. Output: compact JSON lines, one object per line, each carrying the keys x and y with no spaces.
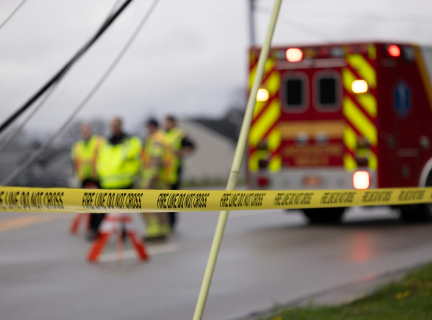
{"x":68,"y":65}
{"x":15,"y":131}
{"x":47,"y":143}
{"x":12,"y":14}
{"x":5,"y":142}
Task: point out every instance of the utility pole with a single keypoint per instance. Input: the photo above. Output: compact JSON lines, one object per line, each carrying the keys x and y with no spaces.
{"x":251,"y":7}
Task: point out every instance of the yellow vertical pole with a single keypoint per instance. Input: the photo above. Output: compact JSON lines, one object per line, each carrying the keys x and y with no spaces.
{"x":236,"y":165}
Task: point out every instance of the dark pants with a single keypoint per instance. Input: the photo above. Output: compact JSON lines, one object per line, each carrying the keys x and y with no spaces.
{"x":176,"y":186}
{"x":95,"y":218}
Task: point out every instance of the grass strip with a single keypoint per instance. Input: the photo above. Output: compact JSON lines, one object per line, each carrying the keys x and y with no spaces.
{"x":409,"y":298}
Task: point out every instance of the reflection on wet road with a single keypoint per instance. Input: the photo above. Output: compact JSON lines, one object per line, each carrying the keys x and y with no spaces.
{"x":266,"y":257}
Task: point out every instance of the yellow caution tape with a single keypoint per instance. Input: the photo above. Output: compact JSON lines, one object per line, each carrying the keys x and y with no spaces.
{"x":99,"y":200}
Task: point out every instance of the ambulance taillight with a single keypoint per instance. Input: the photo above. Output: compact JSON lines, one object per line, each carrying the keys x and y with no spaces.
{"x":263,"y":182}
{"x":361,"y":180}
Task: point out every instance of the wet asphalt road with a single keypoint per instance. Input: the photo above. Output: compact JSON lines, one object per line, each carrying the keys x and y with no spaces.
{"x":266,"y":257}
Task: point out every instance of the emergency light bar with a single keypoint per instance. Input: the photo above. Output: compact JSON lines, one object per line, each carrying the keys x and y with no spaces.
{"x":394,"y":51}
{"x":294,"y":54}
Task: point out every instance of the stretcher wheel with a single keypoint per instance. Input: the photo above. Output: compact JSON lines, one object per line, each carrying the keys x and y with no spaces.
{"x":324,"y":215}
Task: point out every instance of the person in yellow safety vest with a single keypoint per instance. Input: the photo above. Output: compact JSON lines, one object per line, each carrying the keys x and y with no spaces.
{"x":182,"y":146}
{"x":118,"y":163}
{"x":157,"y":165}
{"x":84,"y":155}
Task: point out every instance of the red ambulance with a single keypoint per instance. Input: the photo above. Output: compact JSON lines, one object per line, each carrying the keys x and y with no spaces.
{"x":343,"y":116}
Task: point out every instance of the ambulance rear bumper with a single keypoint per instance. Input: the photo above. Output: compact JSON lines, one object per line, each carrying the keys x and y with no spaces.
{"x":307,"y":179}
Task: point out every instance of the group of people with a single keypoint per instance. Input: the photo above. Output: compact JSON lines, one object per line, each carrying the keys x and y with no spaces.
{"x":125,"y":162}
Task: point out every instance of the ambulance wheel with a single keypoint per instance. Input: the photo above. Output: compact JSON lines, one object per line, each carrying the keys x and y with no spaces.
{"x":417,"y":212}
{"x":324,"y":215}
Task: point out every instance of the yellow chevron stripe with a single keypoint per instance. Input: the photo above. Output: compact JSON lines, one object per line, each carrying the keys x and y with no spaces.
{"x":275,"y":163}
{"x":360,"y":121}
{"x":265,"y":121}
{"x":350,"y":138}
{"x":273,"y":83}
{"x":349,"y":162}
{"x":253,"y":161}
{"x":259,"y":105}
{"x":348,"y":78}
{"x":274,"y":139}
{"x":365,"y":70}
{"x":368,"y":102}
{"x":373,"y":161}
{"x":252,"y":76}
{"x":268,"y":67}
{"x":372,"y":52}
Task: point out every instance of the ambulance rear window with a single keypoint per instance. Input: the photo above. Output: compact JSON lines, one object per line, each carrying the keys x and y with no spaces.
{"x":294,"y":93}
{"x":328,"y":92}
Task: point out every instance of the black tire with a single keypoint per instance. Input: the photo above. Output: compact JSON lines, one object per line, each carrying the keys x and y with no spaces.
{"x":324,"y":215}
{"x":410,"y":213}
{"x":417,"y":212}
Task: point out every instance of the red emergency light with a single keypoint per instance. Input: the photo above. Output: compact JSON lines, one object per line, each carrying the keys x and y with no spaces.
{"x":294,"y":54}
{"x":393,"y":50}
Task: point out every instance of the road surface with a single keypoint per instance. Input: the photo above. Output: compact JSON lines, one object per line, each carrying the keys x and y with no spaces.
{"x":267,"y":257}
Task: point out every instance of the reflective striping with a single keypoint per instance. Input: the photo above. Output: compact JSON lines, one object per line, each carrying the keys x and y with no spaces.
{"x":252,"y":76}
{"x":360,"y":121}
{"x":360,"y":110}
{"x":350,"y":138}
{"x":259,"y":106}
{"x":275,"y":163}
{"x":334,"y":128}
{"x":373,"y":161}
{"x":268,"y":67}
{"x":372,"y":52}
{"x":368,"y":102}
{"x":365,"y":70}
{"x":273,"y":83}
{"x":348,"y":78}
{"x":264,"y":123}
{"x":253,"y":161}
{"x":349,"y":162}
{"x":274,"y":139}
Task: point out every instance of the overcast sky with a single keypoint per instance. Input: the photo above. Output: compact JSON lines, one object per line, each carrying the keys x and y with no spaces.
{"x":189,"y":59}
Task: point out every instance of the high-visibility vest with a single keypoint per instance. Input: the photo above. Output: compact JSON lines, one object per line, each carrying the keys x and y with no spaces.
{"x":157,"y":145}
{"x":84,"y":155}
{"x":175,"y":137}
{"x":118,"y":165}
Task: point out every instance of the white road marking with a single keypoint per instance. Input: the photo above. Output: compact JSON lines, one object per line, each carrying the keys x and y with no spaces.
{"x":128,"y":254}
